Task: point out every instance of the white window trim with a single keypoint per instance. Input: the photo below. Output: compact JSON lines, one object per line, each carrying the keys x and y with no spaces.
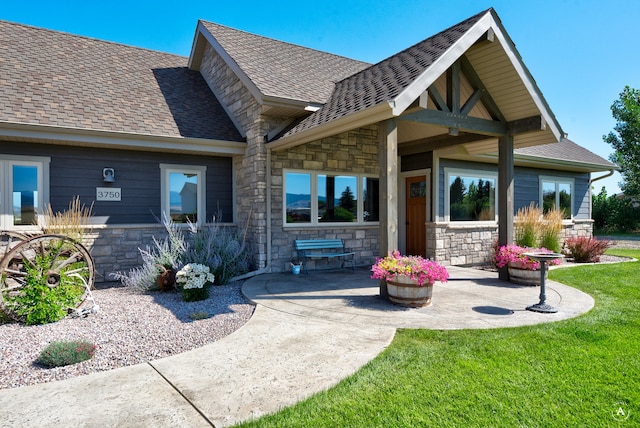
{"x":477,"y":173}
{"x":557,"y":180}
{"x":201,"y":173}
{"x":314,"y":199}
{"x":6,"y":186}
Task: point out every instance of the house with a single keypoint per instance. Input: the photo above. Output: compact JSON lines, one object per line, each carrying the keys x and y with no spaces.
{"x":431,"y":150}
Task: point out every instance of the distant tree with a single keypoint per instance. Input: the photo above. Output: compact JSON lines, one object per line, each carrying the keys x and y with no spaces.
{"x":457,"y":190}
{"x":626,"y":139}
{"x":347,"y":200}
{"x":614,"y":214}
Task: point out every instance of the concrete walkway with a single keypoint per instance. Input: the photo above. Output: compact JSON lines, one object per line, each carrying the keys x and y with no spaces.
{"x":308,"y":332}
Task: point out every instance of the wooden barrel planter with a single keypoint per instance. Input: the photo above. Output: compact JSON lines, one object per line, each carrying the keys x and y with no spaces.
{"x":406,"y":292}
{"x":524,"y":276}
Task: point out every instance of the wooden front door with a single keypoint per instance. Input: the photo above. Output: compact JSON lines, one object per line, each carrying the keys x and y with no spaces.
{"x":416,"y":209}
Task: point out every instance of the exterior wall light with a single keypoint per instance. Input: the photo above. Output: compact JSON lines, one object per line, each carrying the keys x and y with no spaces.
{"x":108,"y":175}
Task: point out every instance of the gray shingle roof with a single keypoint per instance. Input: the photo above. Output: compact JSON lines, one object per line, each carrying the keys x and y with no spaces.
{"x":59,"y":79}
{"x":565,"y":150}
{"x":385,"y":80}
{"x":282,"y":69}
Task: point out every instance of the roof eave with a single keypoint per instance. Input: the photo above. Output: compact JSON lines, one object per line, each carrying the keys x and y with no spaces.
{"x":575,"y":165}
{"x":119,"y":140}
{"x":349,"y":122}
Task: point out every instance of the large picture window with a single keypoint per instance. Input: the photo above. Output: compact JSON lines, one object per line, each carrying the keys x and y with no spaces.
{"x":23,"y":190}
{"x":316,"y":198}
{"x":556,"y":193}
{"x":183,"y":193}
{"x":471,"y":195}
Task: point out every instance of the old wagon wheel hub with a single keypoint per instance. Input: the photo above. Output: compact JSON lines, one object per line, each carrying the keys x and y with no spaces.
{"x":53,"y":279}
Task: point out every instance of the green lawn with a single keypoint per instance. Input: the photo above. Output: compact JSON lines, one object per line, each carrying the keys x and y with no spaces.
{"x":577,"y":372}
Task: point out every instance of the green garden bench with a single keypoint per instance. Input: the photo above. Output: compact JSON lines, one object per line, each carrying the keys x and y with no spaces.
{"x":323,"y":248}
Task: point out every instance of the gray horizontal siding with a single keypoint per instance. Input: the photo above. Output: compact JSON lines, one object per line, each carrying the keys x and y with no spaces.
{"x":77,"y":171}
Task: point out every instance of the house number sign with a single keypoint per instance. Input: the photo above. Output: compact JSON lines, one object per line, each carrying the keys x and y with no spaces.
{"x":108,"y":194}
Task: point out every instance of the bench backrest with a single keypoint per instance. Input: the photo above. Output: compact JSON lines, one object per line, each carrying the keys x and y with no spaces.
{"x":318,"y":244}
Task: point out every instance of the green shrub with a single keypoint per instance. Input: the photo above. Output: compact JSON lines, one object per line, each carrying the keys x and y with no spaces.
{"x":64,"y":353}
{"x":38,"y":303}
{"x":586,"y":250}
{"x":195,"y":294}
{"x":200,"y":315}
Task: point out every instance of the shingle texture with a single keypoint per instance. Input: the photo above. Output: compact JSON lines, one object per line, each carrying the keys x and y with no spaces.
{"x":385,"y":80}
{"x":53,"y":78}
{"x":282,"y":69}
{"x":565,"y":150}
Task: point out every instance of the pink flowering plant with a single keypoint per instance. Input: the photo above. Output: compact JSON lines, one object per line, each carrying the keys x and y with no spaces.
{"x":414,"y":267}
{"x":514,"y":255}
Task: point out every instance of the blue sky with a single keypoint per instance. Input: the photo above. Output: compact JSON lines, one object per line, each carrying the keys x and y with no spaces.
{"x":581,"y":53}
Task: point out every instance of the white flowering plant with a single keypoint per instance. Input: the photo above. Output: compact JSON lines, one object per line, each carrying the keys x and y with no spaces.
{"x":194,"y":279}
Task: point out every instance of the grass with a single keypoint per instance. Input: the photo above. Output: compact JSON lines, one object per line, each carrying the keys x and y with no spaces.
{"x":568,"y":373}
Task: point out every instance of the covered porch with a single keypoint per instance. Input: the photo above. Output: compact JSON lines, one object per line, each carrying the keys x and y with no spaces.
{"x":462,"y":97}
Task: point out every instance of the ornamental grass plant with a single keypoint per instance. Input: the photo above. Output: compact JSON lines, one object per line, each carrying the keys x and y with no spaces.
{"x":533,"y":229}
{"x":73,"y":222}
{"x":528,"y":222}
{"x":551,"y":230}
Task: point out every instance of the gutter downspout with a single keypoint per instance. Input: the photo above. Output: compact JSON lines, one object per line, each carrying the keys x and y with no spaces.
{"x":267,"y":267}
{"x":600,"y":178}
{"x":609,"y":174}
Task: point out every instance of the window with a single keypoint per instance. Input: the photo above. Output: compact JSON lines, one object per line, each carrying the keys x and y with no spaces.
{"x":471,"y":195}
{"x":556,"y":193}
{"x":183,"y":192}
{"x":316,"y":198}
{"x":23,"y":192}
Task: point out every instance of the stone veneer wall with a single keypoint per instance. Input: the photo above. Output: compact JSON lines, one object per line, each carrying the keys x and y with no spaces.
{"x":116,"y":248}
{"x":469,"y":244}
{"x":466,"y":244}
{"x":250,"y":169}
{"x":350,"y":152}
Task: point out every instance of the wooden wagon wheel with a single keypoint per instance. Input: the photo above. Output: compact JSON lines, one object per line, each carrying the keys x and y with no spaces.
{"x":54,"y":260}
{"x":8,"y":240}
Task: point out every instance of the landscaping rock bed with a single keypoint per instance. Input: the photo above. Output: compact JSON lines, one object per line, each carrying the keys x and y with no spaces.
{"x":129,"y":328}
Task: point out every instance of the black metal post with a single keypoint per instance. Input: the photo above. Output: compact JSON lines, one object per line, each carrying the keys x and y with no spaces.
{"x":542,"y":306}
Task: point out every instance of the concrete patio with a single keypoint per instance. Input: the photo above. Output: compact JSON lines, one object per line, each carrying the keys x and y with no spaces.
{"x":472,"y":298}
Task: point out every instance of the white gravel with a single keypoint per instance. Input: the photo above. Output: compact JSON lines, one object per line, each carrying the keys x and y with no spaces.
{"x":129,"y":328}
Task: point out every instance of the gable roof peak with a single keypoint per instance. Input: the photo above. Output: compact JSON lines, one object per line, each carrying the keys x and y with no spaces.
{"x":386,"y":89}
